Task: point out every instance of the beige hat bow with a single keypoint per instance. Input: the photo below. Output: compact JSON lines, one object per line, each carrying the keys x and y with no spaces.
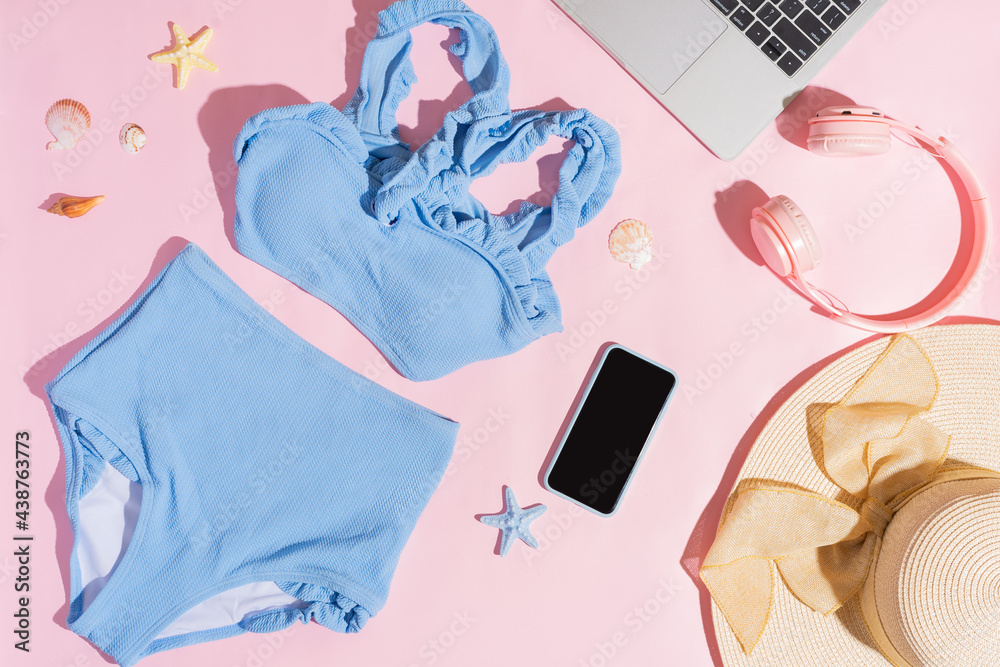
{"x":879,"y":451}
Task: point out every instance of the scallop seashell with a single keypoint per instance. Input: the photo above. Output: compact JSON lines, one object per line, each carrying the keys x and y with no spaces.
{"x":68,"y":121}
{"x":74,"y":207}
{"x":631,"y":242}
{"x":132,"y":138}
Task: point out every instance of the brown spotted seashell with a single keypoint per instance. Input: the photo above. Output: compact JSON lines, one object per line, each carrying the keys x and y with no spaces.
{"x":132,"y":138}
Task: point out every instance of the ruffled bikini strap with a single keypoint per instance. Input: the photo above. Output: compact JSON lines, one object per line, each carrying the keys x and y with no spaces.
{"x":586,"y":176}
{"x":387,"y":72}
{"x":477,"y":137}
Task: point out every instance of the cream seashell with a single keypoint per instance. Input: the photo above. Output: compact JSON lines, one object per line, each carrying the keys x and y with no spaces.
{"x":132,"y":138}
{"x":631,"y":242}
{"x":68,"y":121}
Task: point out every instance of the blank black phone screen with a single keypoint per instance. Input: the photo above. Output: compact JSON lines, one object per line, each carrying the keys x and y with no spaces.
{"x":611,"y":427}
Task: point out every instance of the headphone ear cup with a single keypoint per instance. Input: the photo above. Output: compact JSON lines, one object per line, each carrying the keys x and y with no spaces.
{"x":847,"y":145}
{"x":770,"y":246}
{"x":784,"y":237}
{"x":849,"y":132}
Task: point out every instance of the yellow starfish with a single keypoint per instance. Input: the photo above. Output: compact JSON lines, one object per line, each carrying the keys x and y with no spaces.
{"x":186,"y":54}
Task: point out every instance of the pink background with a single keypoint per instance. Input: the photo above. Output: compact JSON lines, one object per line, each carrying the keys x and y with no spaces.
{"x":738,"y":339}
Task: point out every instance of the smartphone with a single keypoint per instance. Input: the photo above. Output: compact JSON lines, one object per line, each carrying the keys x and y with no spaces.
{"x":615,"y":420}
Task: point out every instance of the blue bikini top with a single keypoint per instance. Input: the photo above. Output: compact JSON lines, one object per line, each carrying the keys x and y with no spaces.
{"x":390,"y":237}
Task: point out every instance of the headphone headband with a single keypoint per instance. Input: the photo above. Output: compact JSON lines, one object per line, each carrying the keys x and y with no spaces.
{"x":782,"y":231}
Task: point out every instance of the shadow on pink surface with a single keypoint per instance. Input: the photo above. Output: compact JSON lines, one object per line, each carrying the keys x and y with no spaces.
{"x":51,"y":200}
{"x":547,"y":165}
{"x":733,"y":206}
{"x":220,"y":120}
{"x":703,"y":534}
{"x":430,"y":112}
{"x":47,"y":368}
{"x":356,"y":41}
{"x":793,"y":122}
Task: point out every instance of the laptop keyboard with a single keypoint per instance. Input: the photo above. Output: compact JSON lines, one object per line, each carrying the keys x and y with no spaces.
{"x":788,"y":32}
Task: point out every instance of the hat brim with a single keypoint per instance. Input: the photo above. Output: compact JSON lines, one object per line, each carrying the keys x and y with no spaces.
{"x":966,"y":358}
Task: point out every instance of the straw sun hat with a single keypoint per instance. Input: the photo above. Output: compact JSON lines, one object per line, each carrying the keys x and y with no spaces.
{"x":864,"y":528}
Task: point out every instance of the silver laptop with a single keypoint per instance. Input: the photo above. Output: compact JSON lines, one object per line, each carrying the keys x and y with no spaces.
{"x":724,"y":68}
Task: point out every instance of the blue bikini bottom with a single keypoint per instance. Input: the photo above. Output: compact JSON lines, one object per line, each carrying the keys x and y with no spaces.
{"x":225,"y":476}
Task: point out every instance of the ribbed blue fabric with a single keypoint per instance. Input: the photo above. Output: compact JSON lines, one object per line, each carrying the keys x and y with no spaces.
{"x":260,"y":459}
{"x":338,"y":204}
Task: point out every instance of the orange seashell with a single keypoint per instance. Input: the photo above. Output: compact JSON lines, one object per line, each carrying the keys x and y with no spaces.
{"x":74,"y":207}
{"x":631,"y":242}
{"x":68,"y":121}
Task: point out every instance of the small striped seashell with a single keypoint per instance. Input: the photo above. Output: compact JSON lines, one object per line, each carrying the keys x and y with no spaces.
{"x":132,"y":138}
{"x":631,"y":242}
{"x":74,"y":207}
{"x":68,"y":121}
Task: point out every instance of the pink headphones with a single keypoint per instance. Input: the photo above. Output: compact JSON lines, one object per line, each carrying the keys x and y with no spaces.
{"x":790,"y":247}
